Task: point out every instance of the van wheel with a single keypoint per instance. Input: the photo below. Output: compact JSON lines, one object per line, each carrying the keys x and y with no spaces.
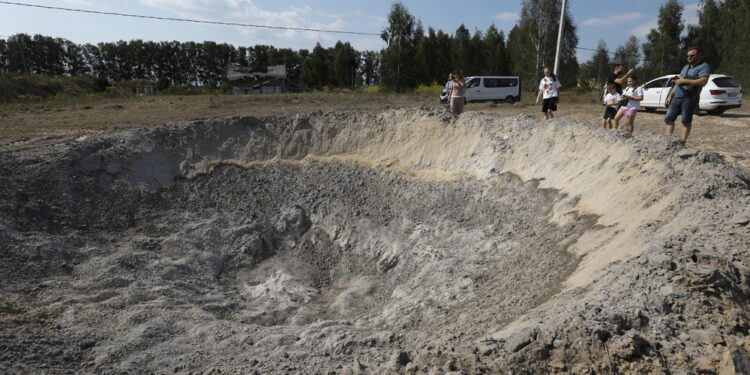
{"x":716,"y":112}
{"x":465,"y":101}
{"x":510,"y":100}
{"x":650,"y":109}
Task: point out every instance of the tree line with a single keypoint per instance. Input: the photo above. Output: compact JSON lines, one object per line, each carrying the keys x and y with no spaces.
{"x":412,"y":56}
{"x":722,"y":33}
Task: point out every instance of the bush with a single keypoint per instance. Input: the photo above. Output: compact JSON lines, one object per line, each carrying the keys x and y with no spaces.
{"x":163,"y":83}
{"x":433,"y":89}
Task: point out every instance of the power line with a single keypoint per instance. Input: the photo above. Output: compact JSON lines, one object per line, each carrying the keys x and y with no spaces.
{"x":185,"y":19}
{"x":586,"y":49}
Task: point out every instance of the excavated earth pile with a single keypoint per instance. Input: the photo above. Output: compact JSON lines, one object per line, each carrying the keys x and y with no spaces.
{"x":408,"y":241}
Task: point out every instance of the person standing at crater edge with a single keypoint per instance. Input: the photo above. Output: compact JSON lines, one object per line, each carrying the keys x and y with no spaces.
{"x":615,"y":78}
{"x":548,"y":90}
{"x":684,"y":97}
{"x":458,"y":92}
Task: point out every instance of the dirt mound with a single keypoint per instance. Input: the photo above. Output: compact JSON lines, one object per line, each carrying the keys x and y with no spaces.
{"x":405,"y":241}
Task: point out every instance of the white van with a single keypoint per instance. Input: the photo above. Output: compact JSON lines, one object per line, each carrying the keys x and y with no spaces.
{"x":490,"y":88}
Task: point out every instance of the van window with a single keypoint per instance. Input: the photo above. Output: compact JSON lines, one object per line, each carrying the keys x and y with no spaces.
{"x":474,"y":82}
{"x":500,"y":82}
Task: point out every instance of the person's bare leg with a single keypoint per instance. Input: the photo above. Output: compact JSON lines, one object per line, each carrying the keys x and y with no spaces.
{"x":631,"y":123}
{"x":551,"y":114}
{"x":686,"y":131}
{"x":669,"y":128}
{"x":618,"y":116}
{"x":604,"y":123}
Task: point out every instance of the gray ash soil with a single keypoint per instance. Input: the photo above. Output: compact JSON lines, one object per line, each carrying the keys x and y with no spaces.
{"x":270,"y":262}
{"x":401,"y":242}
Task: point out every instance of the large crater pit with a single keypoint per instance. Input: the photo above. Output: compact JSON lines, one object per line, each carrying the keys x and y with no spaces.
{"x":405,"y":241}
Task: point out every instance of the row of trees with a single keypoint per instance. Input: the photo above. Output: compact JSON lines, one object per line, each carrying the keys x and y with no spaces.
{"x":188,"y":63}
{"x":412,"y":55}
{"x":722,"y":32}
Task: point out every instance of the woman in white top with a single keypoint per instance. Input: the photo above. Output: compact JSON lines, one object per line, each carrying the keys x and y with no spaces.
{"x":630,"y":103}
{"x":548,"y":89}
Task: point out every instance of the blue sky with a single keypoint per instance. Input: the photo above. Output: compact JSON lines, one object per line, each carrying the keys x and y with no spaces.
{"x":612,"y":21}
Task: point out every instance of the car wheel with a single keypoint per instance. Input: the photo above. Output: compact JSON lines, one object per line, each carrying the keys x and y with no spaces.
{"x":510,"y":100}
{"x":716,"y":111}
{"x":649,"y":109}
{"x":465,"y":101}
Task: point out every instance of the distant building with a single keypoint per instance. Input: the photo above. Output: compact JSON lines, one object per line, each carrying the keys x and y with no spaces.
{"x":244,"y":82}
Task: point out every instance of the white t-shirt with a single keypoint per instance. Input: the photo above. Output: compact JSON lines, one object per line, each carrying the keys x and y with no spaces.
{"x":632,"y":104}
{"x":549,"y":87}
{"x":612,"y":98}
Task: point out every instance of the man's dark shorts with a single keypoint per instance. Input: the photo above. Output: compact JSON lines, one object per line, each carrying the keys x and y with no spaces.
{"x":610,"y":112}
{"x":685,"y":107}
{"x":550,"y":104}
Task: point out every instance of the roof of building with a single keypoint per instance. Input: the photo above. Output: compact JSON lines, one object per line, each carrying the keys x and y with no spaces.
{"x":237,"y":72}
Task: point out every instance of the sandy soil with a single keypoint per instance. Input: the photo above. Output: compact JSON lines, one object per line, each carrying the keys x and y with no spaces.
{"x":28,"y":125}
{"x":400,"y":241}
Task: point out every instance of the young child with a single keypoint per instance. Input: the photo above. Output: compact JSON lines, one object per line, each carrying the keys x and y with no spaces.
{"x":611,"y":102}
{"x":633,"y":95}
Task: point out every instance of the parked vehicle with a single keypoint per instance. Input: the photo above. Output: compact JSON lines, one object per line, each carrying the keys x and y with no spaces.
{"x":720,"y":93}
{"x":490,"y":88}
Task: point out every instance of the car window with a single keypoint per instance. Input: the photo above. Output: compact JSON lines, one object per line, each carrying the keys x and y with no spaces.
{"x":508,"y":82}
{"x":491,"y":82}
{"x":671,"y":82}
{"x":474,"y":82}
{"x":725,"y":82}
{"x":500,"y":82}
{"x":659,"y":83}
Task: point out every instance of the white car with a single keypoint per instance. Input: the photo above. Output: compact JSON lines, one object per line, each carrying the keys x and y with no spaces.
{"x":720,"y":93}
{"x":490,"y":88}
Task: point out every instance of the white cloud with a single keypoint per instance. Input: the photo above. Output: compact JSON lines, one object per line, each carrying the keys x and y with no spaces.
{"x":249,"y":12}
{"x":613,"y":20}
{"x":643,"y":30}
{"x":507,"y":16}
{"x":690,"y":16}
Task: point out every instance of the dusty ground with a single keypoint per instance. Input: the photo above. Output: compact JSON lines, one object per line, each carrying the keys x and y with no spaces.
{"x":399,"y":241}
{"x":25,"y":125}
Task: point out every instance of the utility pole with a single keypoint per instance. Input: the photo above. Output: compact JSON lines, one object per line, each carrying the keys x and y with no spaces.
{"x":559,"y":36}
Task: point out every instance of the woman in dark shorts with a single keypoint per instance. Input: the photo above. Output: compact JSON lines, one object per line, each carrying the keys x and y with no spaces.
{"x":548,"y":90}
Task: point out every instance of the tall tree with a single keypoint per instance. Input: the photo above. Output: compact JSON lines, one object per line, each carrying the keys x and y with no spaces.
{"x":495,"y":56}
{"x":532,"y":42}
{"x":345,"y":62}
{"x":629,"y":54}
{"x":315,"y":68}
{"x":3,"y":55}
{"x":662,"y":50}
{"x":461,"y":49}
{"x":600,"y":64}
{"x":398,"y":58}
{"x":370,"y":63}
{"x":734,"y":39}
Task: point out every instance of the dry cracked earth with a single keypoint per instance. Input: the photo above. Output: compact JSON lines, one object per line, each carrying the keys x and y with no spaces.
{"x":405,"y":241}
